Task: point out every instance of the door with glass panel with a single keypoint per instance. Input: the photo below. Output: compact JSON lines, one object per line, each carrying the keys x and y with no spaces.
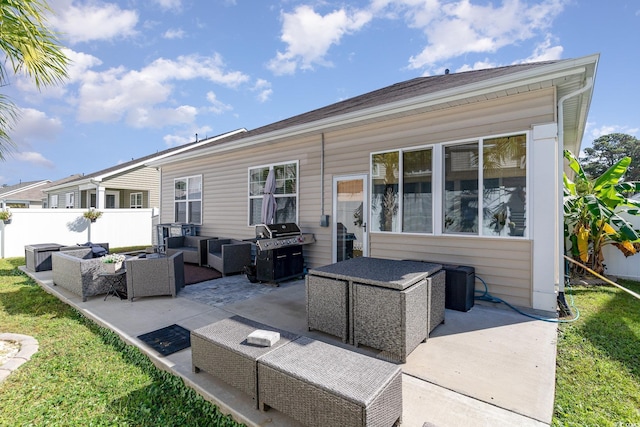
{"x":350,"y":213}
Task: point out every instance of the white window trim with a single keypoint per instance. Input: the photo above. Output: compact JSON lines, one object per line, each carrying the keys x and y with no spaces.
{"x":271,"y":166}
{"x":187,"y":200}
{"x":54,"y":201}
{"x":135,"y":205}
{"x":69,"y":200}
{"x":438,"y":186}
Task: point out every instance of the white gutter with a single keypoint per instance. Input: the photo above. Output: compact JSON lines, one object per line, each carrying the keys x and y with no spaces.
{"x":560,"y":229}
{"x":563,"y":69}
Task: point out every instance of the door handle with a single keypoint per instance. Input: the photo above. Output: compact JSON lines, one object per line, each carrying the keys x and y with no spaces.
{"x":364,"y":226}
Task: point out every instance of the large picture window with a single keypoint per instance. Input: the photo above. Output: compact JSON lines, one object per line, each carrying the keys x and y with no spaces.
{"x":286,"y":192}
{"x":480,"y":184}
{"x":188,"y":200}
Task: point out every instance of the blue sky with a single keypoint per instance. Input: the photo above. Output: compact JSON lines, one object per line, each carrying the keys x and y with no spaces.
{"x":147,"y":75}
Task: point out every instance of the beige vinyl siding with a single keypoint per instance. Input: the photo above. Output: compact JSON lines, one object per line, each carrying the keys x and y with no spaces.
{"x":62,"y":197}
{"x":144,"y":180}
{"x":347,"y":152}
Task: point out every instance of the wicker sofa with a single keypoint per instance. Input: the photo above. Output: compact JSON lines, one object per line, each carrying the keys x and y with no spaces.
{"x":154,"y":275}
{"x":228,"y":256}
{"x":79,"y":272}
{"x":194,"y":248}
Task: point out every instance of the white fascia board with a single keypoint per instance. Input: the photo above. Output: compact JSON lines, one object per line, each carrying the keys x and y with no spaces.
{"x":562,"y":69}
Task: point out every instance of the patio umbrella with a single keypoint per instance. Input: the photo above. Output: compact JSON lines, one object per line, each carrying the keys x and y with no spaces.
{"x":269,"y":205}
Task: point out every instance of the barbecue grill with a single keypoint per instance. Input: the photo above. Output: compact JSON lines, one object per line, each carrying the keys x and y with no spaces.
{"x":279,"y":251}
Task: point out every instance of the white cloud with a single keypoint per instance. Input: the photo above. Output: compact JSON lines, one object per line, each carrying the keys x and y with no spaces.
{"x":92,"y":21}
{"x":136,"y":95}
{"x":186,"y":137}
{"x":175,"y":5}
{"x":33,"y":126}
{"x":33,"y":158}
{"x":217,"y":106}
{"x":174,"y":33}
{"x":309,"y":36}
{"x":595,"y":131}
{"x":263,"y":87}
{"x":457,"y":28}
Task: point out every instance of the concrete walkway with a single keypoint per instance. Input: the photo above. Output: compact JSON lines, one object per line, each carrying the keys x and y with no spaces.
{"x":487,"y":367}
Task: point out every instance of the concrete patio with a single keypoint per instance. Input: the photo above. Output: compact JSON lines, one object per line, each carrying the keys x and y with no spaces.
{"x":489,"y":366}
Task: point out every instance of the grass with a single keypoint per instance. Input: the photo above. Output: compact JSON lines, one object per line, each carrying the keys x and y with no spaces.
{"x":598,"y":360}
{"x":85,"y":375}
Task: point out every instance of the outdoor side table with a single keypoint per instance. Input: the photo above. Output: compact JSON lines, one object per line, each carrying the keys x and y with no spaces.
{"x":117,"y":280}
{"x":38,"y":257}
{"x":391,"y":305}
{"x":222,"y":350}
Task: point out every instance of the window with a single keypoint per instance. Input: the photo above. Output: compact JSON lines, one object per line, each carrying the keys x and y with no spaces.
{"x":286,"y":193}
{"x":483,"y":188}
{"x":69,"y":200}
{"x":135,"y":200}
{"x":188,"y":200}
{"x":54,"y":201}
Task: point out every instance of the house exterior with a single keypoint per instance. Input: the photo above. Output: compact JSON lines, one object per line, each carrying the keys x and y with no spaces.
{"x":23,"y":195}
{"x":462,"y":168}
{"x":129,"y":185}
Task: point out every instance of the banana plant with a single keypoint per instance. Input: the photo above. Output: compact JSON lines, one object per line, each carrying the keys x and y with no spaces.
{"x":592,"y":212}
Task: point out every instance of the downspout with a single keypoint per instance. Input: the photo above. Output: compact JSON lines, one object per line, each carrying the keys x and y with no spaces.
{"x":562,"y":303}
{"x":324,"y":219}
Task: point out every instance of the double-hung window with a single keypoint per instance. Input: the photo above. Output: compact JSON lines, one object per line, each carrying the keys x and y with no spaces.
{"x":481,"y":188}
{"x":135,"y":200}
{"x":70,"y":200}
{"x":54,"y":201}
{"x":188,"y":199}
{"x":286,"y":192}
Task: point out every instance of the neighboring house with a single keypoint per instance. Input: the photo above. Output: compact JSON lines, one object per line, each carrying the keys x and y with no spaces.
{"x":23,"y":195}
{"x":462,"y":168}
{"x":128,"y":185}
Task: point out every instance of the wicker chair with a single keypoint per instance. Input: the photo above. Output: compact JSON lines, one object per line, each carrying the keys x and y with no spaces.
{"x":229,"y":256}
{"x":154,"y":275}
{"x":194,"y":248}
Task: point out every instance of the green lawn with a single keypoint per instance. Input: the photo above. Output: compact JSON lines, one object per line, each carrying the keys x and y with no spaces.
{"x":84,"y":375}
{"x":598,"y":362}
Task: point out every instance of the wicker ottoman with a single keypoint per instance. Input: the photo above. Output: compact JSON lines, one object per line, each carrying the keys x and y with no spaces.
{"x":321,"y":385}
{"x":327,"y":305}
{"x":221,"y":349}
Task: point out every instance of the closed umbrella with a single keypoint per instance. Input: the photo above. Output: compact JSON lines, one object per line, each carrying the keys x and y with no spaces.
{"x":269,"y":205}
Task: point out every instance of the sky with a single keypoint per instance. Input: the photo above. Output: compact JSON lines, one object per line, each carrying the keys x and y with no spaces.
{"x":147,"y":75}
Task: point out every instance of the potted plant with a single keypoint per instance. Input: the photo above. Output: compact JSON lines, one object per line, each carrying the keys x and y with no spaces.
{"x":5,"y":216}
{"x":92,"y":215}
{"x":112,"y":262}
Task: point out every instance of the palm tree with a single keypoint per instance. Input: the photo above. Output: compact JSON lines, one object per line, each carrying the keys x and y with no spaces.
{"x":30,"y":47}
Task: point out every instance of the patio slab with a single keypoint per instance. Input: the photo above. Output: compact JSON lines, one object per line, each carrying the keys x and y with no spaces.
{"x":486,"y":367}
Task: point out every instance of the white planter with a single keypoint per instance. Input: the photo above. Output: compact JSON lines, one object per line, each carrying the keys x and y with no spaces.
{"x":111,"y":267}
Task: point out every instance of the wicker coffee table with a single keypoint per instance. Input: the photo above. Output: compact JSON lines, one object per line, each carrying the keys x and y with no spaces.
{"x":221,"y":349}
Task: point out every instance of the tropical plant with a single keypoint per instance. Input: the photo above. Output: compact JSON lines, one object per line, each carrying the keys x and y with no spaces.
{"x":592,"y":212}
{"x":92,"y":214}
{"x":29,"y":46}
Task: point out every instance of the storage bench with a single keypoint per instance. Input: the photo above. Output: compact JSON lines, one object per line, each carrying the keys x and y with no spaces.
{"x":38,"y":257}
{"x":222,"y":350}
{"x":320,"y":384}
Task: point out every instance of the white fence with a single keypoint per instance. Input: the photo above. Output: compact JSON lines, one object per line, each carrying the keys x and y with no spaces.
{"x":118,"y":227}
{"x":619,"y":265}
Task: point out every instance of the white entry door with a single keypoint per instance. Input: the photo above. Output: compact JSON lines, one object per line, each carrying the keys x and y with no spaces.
{"x":350,"y":216}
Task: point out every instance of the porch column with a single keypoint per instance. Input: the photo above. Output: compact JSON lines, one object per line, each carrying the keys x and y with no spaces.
{"x":546,"y":216}
{"x":100,"y":197}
